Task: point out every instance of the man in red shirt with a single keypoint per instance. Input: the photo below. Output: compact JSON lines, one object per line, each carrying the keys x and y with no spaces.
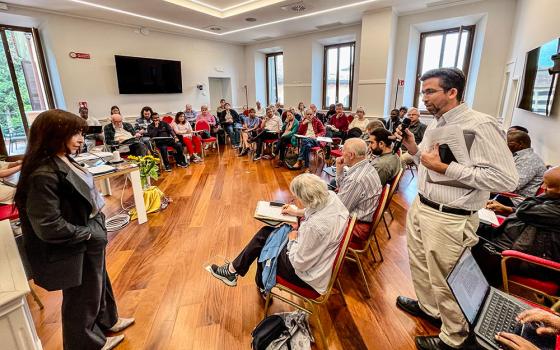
{"x":338,"y":125}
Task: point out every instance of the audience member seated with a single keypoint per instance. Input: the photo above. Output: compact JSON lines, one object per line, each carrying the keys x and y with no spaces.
{"x":518,"y":128}
{"x":162,"y":129}
{"x":184,"y":131}
{"x":338,"y":124}
{"x":310,"y":127}
{"x":295,"y":112}
{"x":360,"y":121}
{"x":301,"y":108}
{"x":418,"y":129}
{"x":374,"y":124}
{"x":260,"y":111}
{"x":359,"y":187}
{"x":354,"y":132}
{"x":402,"y":112}
{"x":90,"y":139}
{"x":394,"y":121}
{"x":248,"y":131}
{"x":546,"y":322}
{"x":279,"y":108}
{"x":221,"y":107}
{"x":144,"y":120}
{"x":289,"y":129}
{"x":330,"y":113}
{"x":190,"y":115}
{"x":117,"y":132}
{"x":534,"y":226}
{"x":115,"y":110}
{"x":307,"y":259}
{"x":270,"y":129}
{"x":231,"y":123}
{"x":208,"y":118}
{"x":321,"y":116}
{"x":7,"y":169}
{"x":386,"y":163}
{"x":530,"y":166}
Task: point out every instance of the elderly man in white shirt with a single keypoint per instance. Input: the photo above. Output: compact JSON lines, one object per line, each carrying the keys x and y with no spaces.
{"x":443,"y":219}
{"x":307,"y":259}
{"x":271,"y":127}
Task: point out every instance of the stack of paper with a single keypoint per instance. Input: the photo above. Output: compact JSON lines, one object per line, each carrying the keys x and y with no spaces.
{"x":272,"y":215}
{"x":101,"y":169}
{"x":488,"y":217}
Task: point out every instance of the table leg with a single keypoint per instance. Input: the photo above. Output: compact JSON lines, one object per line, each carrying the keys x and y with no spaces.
{"x":106,"y":187}
{"x":138,"y":196}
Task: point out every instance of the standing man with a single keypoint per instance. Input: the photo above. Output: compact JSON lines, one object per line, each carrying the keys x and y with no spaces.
{"x":443,"y":219}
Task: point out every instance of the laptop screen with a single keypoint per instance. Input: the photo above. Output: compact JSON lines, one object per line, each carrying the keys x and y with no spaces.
{"x":469,"y":285}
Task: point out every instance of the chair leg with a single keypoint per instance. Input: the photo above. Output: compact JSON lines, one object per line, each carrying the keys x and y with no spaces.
{"x":391,"y":213}
{"x":341,"y":292}
{"x":372,"y":253}
{"x":386,"y":228}
{"x":36,"y":298}
{"x":267,"y":303}
{"x":359,"y":262}
{"x":378,"y":247}
{"x":321,"y":331}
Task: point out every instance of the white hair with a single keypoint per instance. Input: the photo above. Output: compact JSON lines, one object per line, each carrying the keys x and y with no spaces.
{"x":311,"y":190}
{"x":356,"y":146}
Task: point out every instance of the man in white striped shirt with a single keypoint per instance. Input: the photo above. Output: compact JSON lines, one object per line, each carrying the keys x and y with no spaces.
{"x":443,"y":219}
{"x":359,"y":187}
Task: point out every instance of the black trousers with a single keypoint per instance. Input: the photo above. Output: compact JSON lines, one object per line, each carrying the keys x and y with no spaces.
{"x":251,"y":252}
{"x":89,"y":309}
{"x":265,"y":135}
{"x":178,"y":146}
{"x":283,"y":146}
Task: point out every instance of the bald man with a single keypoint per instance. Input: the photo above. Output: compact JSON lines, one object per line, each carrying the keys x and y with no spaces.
{"x":529,"y":165}
{"x":359,"y":187}
{"x":534,"y":226}
{"x":118,"y":131}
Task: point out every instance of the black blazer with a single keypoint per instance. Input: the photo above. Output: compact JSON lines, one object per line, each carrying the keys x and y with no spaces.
{"x":56,"y":226}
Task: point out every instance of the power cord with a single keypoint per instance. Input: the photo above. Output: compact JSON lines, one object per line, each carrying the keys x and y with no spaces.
{"x":122,"y":219}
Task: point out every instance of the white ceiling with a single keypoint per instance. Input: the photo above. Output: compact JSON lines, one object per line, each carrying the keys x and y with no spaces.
{"x":274,"y":18}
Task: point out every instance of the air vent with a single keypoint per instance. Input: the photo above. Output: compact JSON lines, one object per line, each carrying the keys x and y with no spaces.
{"x":295,"y":7}
{"x":214,"y":28}
{"x":330,"y":25}
{"x":263,"y":38}
{"x":251,"y":19}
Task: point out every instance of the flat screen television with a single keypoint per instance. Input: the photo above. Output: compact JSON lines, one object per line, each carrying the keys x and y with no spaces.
{"x":139,"y":75}
{"x":539,"y":79}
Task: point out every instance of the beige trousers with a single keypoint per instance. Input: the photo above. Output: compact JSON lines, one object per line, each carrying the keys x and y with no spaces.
{"x":7,"y":194}
{"x":435,"y":242}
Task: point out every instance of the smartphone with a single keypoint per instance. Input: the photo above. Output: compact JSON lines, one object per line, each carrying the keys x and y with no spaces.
{"x":276,"y":204}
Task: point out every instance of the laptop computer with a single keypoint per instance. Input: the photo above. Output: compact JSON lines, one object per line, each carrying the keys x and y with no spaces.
{"x":487,"y":309}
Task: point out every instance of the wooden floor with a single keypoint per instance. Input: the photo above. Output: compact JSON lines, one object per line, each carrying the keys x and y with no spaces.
{"x":158,"y":275}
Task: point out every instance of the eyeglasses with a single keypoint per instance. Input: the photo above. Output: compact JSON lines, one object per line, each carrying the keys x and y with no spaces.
{"x":429,"y":92}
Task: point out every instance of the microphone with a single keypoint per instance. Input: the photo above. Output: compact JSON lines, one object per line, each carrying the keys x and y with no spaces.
{"x":405,"y":124}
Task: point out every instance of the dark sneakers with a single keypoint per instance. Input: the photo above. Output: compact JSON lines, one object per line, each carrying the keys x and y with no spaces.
{"x":222,"y":273}
{"x":431,"y":343}
{"x":412,"y":307}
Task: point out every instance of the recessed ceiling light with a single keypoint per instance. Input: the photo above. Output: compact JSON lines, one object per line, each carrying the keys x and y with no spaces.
{"x":251,"y":19}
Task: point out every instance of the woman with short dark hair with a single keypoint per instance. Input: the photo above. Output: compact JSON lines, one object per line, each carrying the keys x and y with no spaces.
{"x":186,"y":136}
{"x":64,"y":231}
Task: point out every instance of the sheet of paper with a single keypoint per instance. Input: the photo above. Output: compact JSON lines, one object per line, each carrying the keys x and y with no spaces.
{"x":101,"y":169}
{"x":324,"y":139}
{"x":453,"y":136}
{"x":266,"y":211}
{"x":488,"y":216}
{"x":92,"y":155}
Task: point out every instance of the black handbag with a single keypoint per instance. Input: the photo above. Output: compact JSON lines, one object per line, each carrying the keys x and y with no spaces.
{"x":268,"y":330}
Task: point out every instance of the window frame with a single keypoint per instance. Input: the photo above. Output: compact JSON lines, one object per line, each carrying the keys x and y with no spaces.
{"x":466,"y":63}
{"x":351,"y":82}
{"x":42,"y":68}
{"x":267,"y":56}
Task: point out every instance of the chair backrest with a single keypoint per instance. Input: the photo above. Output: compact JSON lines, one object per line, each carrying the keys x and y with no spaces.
{"x":202,"y":125}
{"x":168,"y":119}
{"x":393,"y":186}
{"x":378,"y":213}
{"x":341,"y":253}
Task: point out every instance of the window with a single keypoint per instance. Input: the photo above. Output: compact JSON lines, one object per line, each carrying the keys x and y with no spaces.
{"x":275,"y":78}
{"x":24,"y":88}
{"x":443,"y":48}
{"x":338,"y":74}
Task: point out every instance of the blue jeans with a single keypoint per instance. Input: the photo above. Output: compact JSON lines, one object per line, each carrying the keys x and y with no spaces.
{"x":233,"y":133}
{"x":305,"y":149}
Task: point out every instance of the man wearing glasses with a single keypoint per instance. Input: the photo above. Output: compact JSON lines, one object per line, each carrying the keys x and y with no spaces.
{"x":417,"y":128}
{"x":443,"y":219}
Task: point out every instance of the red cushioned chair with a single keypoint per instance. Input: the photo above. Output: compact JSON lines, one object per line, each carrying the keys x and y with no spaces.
{"x":543,"y":290}
{"x":394,"y":184}
{"x":202,"y":125}
{"x":358,"y":247}
{"x":8,"y":212}
{"x":168,"y":119}
{"x":310,"y":297}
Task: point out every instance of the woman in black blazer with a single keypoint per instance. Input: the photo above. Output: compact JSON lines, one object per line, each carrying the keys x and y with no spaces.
{"x":64,"y":231}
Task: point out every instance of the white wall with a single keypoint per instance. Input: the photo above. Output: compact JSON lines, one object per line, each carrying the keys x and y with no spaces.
{"x":95,"y":80}
{"x":494,"y":21}
{"x":303,"y":59}
{"x":536,"y":22}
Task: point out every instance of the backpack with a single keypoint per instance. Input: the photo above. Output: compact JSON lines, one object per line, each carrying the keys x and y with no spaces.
{"x":268,"y":330}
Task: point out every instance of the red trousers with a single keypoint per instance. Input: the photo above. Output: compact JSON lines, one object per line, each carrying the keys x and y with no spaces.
{"x":194,"y":145}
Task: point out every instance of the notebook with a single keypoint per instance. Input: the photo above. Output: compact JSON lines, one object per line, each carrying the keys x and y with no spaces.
{"x":272,"y":215}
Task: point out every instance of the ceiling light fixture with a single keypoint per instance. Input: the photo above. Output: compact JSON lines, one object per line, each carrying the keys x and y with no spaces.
{"x":107,"y":8}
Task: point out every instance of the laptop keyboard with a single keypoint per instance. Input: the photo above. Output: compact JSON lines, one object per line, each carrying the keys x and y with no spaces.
{"x":499,"y":317}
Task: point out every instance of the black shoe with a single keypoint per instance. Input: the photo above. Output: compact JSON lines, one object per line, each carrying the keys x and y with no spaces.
{"x":411,"y":306}
{"x":183,"y":165}
{"x":431,"y":343}
{"x":222,"y":273}
{"x":168,"y":169}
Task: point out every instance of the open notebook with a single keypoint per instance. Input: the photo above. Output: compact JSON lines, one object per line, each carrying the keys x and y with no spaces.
{"x":272,"y":215}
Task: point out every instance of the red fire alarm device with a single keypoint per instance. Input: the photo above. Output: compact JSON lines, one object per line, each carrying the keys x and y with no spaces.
{"x":80,"y":55}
